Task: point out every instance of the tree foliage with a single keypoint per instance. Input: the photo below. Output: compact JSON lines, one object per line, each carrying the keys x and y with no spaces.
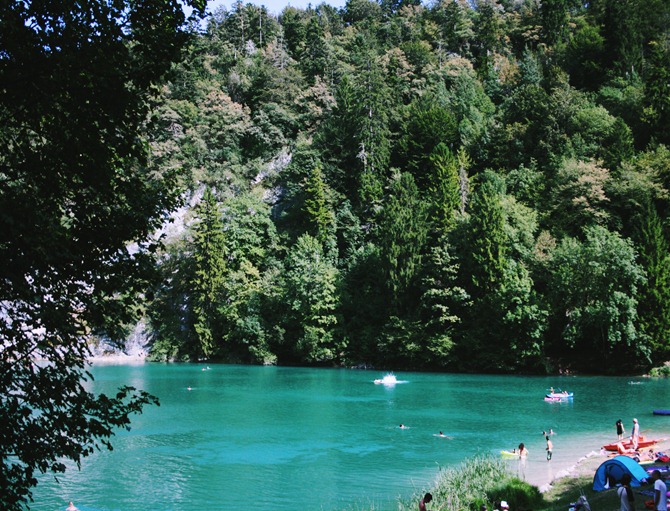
{"x":426,"y":186}
{"x":75,"y":191}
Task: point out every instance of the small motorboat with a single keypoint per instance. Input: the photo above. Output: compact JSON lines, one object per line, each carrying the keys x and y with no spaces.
{"x":560,"y":395}
{"x":388,"y":379}
{"x":661,"y":412}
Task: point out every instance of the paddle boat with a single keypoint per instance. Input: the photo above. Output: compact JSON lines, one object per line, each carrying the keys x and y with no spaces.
{"x":388,"y":379}
{"x":627,"y":444}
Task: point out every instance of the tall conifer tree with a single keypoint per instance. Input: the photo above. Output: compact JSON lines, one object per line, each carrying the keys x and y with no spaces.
{"x":654,"y":304}
{"x":488,"y":240}
{"x":208,"y":279}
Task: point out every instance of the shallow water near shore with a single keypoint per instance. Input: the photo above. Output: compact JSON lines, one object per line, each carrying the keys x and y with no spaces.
{"x":231,"y":437}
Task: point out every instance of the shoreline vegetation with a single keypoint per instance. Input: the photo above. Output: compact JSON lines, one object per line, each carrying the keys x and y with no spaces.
{"x":485,"y":480}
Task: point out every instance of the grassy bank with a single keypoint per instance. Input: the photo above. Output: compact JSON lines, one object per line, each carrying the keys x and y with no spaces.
{"x":487,"y":480}
{"x":477,"y":481}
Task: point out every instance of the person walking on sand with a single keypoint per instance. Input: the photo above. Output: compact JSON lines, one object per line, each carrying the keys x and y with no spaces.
{"x":425,"y":500}
{"x":523,"y":455}
{"x":620,"y":429}
{"x":635,"y":436}
{"x":625,"y":494}
{"x":550,"y":448}
{"x":660,"y":492}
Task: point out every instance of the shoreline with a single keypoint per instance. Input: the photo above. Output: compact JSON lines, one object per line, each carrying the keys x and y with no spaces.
{"x":587,"y":465}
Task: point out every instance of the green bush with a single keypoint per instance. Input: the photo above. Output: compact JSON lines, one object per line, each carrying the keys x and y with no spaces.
{"x":663,"y":371}
{"x":476,"y":481}
{"x":520,"y":495}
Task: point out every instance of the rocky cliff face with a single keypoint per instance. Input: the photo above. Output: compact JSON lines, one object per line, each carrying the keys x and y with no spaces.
{"x":133,"y":349}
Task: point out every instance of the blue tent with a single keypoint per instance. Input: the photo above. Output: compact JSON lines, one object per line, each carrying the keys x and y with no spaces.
{"x":609,"y":473}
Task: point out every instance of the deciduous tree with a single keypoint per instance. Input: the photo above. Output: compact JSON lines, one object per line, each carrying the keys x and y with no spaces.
{"x":74,"y":191}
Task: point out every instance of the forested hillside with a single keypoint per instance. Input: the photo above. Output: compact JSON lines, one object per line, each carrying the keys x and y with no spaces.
{"x":463,"y":186}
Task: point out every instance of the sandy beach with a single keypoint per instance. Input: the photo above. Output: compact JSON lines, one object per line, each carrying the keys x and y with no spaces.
{"x":544,"y":474}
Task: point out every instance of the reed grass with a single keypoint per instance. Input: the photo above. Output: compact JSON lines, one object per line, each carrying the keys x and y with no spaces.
{"x":476,"y":481}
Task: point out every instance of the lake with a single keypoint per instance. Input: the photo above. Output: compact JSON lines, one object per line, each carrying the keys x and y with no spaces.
{"x":280,"y":439}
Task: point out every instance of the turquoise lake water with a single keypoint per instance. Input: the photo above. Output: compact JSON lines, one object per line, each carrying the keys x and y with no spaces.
{"x":281,"y":439}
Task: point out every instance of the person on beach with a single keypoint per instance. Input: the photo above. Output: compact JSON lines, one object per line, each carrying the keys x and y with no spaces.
{"x":626,"y":494}
{"x":523,"y":452}
{"x":71,"y":507}
{"x":635,"y":436}
{"x":660,"y":492}
{"x":504,"y":506}
{"x":523,"y":455}
{"x":425,"y":500}
{"x":550,"y":448}
{"x":620,"y":449}
{"x":620,"y":429}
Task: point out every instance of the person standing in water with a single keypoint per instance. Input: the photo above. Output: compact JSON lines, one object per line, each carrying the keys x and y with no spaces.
{"x":620,"y":429}
{"x":550,"y":448}
{"x":523,"y":454}
{"x":71,"y":507}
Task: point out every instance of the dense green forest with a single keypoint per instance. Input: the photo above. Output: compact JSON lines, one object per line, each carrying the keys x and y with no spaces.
{"x":461,"y":185}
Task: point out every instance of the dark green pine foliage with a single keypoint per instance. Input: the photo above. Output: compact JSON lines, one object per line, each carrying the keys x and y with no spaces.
{"x":441,"y":307}
{"x":320,"y":217}
{"x":251,"y":248}
{"x":338,"y":141}
{"x":445,"y":190}
{"x":169,"y":310}
{"x":485,"y":258}
{"x":314,"y":57}
{"x":654,"y":305}
{"x":429,"y":123}
{"x":488,"y":35}
{"x":372,"y":96}
{"x":554,"y":16}
{"x":294,"y":23}
{"x":455,"y":23}
{"x":209,"y":260}
{"x":657,"y":92}
{"x":402,"y":234}
{"x":309,"y":302}
{"x":621,"y":28}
